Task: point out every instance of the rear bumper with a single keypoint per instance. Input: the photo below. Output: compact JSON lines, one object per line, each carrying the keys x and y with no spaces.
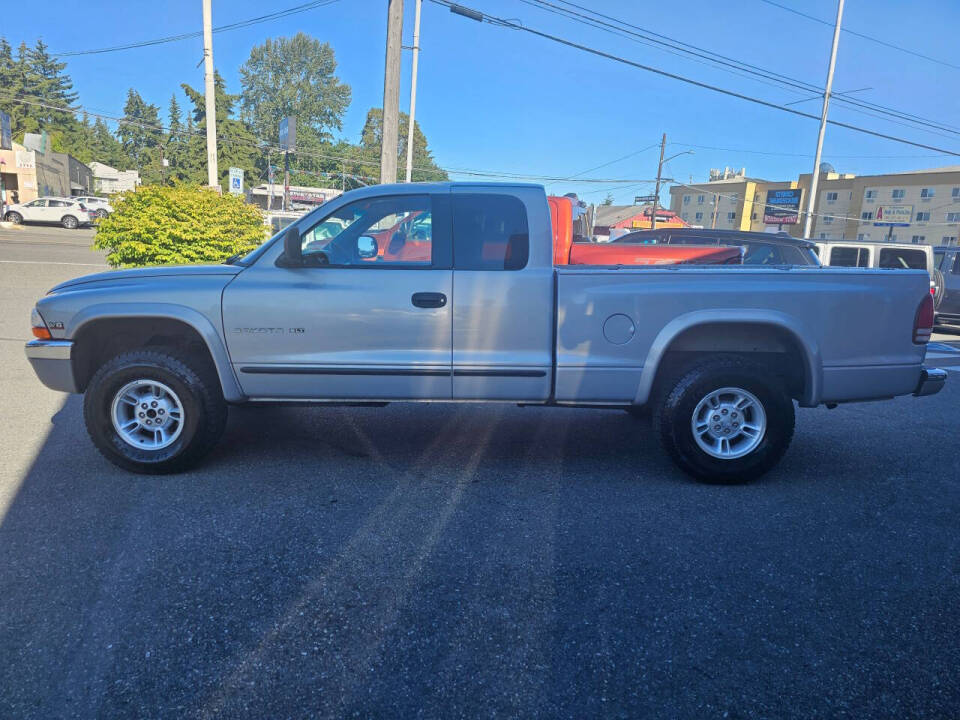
{"x":931,"y":382}
{"x":51,"y":361}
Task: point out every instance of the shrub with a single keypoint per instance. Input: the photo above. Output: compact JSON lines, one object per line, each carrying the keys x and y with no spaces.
{"x":159,"y":225}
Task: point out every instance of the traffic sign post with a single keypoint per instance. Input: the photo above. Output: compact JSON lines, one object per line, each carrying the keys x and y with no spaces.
{"x":236,"y":180}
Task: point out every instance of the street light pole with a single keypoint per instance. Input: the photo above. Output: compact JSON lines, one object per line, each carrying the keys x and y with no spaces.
{"x":656,"y":192}
{"x":413,"y":88}
{"x":210,"y":106}
{"x":815,"y":178}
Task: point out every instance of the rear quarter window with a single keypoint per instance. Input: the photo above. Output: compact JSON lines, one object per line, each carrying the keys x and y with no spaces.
{"x":849,"y":257}
{"x":903,"y":259}
{"x":490,"y":232}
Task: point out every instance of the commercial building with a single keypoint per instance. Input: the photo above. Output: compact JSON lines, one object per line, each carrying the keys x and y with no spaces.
{"x":614,"y":220}
{"x":846,"y":206}
{"x":108,"y":180}
{"x":18,"y":168}
{"x":270,"y":197}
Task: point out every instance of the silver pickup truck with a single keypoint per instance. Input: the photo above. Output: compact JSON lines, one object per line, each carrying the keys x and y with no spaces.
{"x":449,"y":292}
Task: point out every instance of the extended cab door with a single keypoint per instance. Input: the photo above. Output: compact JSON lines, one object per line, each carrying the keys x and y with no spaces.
{"x":367,"y":317}
{"x":502,"y":293}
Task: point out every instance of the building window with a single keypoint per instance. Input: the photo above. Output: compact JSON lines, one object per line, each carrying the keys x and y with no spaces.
{"x":753,"y":216}
{"x":823,"y":236}
{"x":866,"y":215}
{"x":953,"y":217}
{"x":863,"y":237}
{"x":923,"y":216}
{"x":898,"y":193}
{"x":927,"y":193}
{"x":918,"y":239}
{"x":686,"y":199}
{"x":699,"y":199}
{"x":870,"y":195}
{"x":955,"y":194}
{"x":733,"y":198}
{"x":828,"y":219}
{"x":698,"y":217}
{"x":831,"y":197}
{"x":731,"y":216}
{"x":949,"y":240}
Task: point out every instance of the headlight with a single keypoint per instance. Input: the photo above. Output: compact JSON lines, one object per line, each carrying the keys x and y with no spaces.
{"x":38,"y":326}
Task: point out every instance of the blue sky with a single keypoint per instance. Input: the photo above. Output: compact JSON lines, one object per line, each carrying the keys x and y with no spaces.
{"x":497,"y":99}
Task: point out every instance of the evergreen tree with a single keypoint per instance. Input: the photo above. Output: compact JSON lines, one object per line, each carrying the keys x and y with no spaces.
{"x":236,"y":145}
{"x":104,"y":147}
{"x":176,"y":141}
{"x":140,"y":137}
{"x":425,"y":168}
{"x":48,"y":83}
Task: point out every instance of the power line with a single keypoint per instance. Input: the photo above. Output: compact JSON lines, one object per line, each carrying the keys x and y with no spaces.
{"x":801,"y":155}
{"x":263,"y":145}
{"x":620,"y":27}
{"x":871,"y":38}
{"x":186,"y":36}
{"x":698,"y":83}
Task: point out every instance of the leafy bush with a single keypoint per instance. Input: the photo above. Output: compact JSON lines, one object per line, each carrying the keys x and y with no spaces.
{"x":158,"y":225}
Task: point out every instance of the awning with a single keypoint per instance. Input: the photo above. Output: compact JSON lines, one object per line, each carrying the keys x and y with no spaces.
{"x":74,"y":186}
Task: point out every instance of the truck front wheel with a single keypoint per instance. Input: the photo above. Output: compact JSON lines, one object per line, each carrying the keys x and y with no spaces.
{"x":725,"y":420}
{"x":153,"y":411}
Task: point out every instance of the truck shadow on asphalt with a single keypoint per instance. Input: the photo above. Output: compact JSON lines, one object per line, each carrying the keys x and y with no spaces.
{"x":466,"y":560}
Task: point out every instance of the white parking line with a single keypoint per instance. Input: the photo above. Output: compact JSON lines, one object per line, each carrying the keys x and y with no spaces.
{"x":43,"y":262}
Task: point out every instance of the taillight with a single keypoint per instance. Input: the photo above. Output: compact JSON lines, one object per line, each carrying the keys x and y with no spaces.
{"x":923,"y":321}
{"x":38,"y":326}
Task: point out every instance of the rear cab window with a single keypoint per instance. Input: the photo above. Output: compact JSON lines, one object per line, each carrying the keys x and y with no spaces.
{"x":490,"y":232}
{"x":903,"y":259}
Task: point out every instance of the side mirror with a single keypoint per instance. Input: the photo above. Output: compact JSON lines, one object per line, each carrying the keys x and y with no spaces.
{"x":292,"y":248}
{"x":367,"y":247}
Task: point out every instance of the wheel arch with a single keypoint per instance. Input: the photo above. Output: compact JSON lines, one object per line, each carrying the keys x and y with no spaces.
{"x":741,"y":332}
{"x":99,"y":330}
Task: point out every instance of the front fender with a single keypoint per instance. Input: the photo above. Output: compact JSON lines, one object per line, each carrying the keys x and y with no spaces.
{"x":813,"y":363}
{"x":198,"y":321}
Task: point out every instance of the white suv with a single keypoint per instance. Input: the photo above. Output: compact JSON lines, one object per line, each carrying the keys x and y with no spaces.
{"x":69,"y":212}
{"x":100,"y":206}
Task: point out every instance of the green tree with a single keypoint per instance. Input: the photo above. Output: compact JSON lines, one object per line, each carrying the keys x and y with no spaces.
{"x":140,"y":137}
{"x":292,"y":76}
{"x":175,"y":145}
{"x":236,"y":145}
{"x":52,"y":85}
{"x":608,"y":200}
{"x":104,"y":147}
{"x":161,"y":225}
{"x":425,"y":168}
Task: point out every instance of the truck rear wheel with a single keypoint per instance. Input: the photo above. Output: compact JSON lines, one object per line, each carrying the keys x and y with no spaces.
{"x":153,"y":411}
{"x":725,"y":420}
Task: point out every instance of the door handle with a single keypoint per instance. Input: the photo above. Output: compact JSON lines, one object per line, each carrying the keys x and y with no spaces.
{"x":429,"y":299}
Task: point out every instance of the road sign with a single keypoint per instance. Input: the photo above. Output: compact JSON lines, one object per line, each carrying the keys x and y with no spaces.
{"x":893,"y":215}
{"x":288,"y":134}
{"x":236,"y":180}
{"x":643,"y":199}
{"x":782,"y":207}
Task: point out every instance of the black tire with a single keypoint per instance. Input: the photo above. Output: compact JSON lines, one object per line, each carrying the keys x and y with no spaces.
{"x":674,"y":411}
{"x":195,"y":384}
{"x":101,"y":213}
{"x":69,"y":222}
{"x":14,"y":217}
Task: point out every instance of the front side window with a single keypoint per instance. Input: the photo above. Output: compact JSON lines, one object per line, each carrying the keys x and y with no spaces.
{"x":387,"y":231}
{"x":490,"y":232}
{"x":36,"y":204}
{"x":903,"y":259}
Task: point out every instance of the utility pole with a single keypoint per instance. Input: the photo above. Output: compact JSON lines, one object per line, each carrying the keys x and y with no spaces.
{"x":815,"y":178}
{"x":391,"y":94}
{"x":211,"y":103}
{"x":413,"y":88}
{"x":716,"y":208}
{"x":656,"y":192}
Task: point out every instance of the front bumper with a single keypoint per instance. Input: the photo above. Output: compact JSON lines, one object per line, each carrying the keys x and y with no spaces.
{"x":931,"y":382}
{"x":51,"y":361}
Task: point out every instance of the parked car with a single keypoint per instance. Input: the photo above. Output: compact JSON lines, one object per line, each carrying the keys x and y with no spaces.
{"x":99,"y":205}
{"x":69,"y":212}
{"x":890,"y":256}
{"x":719,"y":355}
{"x":759,"y":248}
{"x":947,"y":298}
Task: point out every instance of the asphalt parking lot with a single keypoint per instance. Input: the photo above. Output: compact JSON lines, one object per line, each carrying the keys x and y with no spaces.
{"x":464,"y":561}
